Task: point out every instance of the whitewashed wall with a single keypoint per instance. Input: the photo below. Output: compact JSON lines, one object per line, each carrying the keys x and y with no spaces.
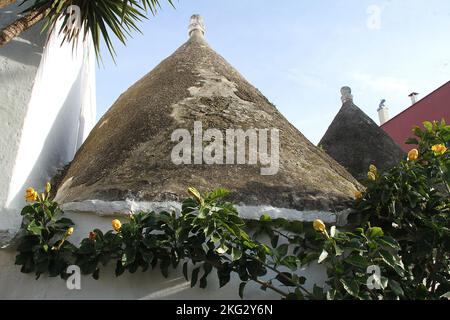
{"x":19,"y":62}
{"x":47,"y":107}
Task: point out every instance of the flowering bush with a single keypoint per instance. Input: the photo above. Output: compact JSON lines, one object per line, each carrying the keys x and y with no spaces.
{"x":208,"y":234}
{"x":359,"y":262}
{"x":411,"y":202}
{"x":44,"y":247}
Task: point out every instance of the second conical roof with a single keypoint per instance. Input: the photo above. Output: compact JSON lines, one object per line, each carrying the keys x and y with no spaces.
{"x":355,"y":141}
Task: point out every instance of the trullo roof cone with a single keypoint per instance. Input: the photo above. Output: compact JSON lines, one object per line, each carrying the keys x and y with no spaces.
{"x":127,"y":159}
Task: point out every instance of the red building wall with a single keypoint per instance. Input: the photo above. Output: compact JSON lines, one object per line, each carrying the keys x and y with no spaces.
{"x":435,"y":106}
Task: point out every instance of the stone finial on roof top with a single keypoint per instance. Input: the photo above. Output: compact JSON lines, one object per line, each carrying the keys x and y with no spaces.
{"x":197,"y":26}
{"x":346,"y":93}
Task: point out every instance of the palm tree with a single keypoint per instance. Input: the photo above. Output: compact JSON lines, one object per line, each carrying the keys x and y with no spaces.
{"x":97,"y":17}
{"x":4,"y":3}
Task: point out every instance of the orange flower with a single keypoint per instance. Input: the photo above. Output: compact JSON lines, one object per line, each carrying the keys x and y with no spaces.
{"x":413,"y":155}
{"x":439,"y":149}
{"x":31,"y":195}
{"x":116,"y":224}
{"x":319,"y":226}
{"x":69,"y":232}
{"x":371,"y":176}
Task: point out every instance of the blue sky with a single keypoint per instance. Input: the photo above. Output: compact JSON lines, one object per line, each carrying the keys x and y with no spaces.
{"x":300,"y":53}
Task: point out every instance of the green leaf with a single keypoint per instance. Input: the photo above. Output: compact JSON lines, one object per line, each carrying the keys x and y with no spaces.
{"x":318,"y":293}
{"x":34,"y":228}
{"x":282,"y":250}
{"x":217,"y":194}
{"x":390,"y":242}
{"x":389,"y":259}
{"x":428,"y":125}
{"x":375,"y":232}
{"x":148,"y":256}
{"x":265,"y":218}
{"x":202,"y":213}
{"x":194,"y":277}
{"x":396,"y":287}
{"x":203,"y":282}
{"x":224,"y":276}
{"x":185,"y":270}
{"x":28,"y":210}
{"x":241,"y":289}
{"x":338,"y":250}
{"x":164,"y":266}
{"x":290,"y":261}
{"x":274,"y":241}
{"x":357,"y":261}
{"x":352,"y":287}
{"x":285,"y":278}
{"x":215,"y":237}
{"x":236,"y":254}
{"x":222,"y":249}
{"x":412,"y":141}
{"x":120,"y":269}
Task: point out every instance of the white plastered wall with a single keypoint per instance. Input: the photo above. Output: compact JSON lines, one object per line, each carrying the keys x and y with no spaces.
{"x":47,"y":109}
{"x":19,"y":62}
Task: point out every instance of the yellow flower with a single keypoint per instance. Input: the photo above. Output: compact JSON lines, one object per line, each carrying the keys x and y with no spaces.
{"x":439,"y":149}
{"x":373,"y":169}
{"x":358,"y":195}
{"x":319,"y":226}
{"x":413,"y":155}
{"x":116,"y":224}
{"x":48,"y":187}
{"x":69,"y":232}
{"x":371,"y":176}
{"x":31,"y":195}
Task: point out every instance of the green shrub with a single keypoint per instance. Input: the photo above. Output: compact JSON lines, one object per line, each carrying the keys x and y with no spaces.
{"x":411,"y":202}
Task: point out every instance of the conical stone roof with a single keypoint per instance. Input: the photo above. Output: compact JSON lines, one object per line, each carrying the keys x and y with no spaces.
{"x":355,"y":141}
{"x":127,"y":156}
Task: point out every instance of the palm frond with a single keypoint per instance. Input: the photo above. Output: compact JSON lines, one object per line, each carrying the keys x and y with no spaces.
{"x":100,"y":18}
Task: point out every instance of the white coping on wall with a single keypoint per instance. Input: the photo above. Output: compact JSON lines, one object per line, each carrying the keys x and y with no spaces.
{"x":111,"y":208}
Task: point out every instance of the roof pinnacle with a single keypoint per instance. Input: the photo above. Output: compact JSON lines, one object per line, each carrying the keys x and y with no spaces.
{"x":197,"y":26}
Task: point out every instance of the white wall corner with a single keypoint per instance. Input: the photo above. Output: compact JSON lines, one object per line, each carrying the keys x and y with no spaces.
{"x":47,"y":122}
